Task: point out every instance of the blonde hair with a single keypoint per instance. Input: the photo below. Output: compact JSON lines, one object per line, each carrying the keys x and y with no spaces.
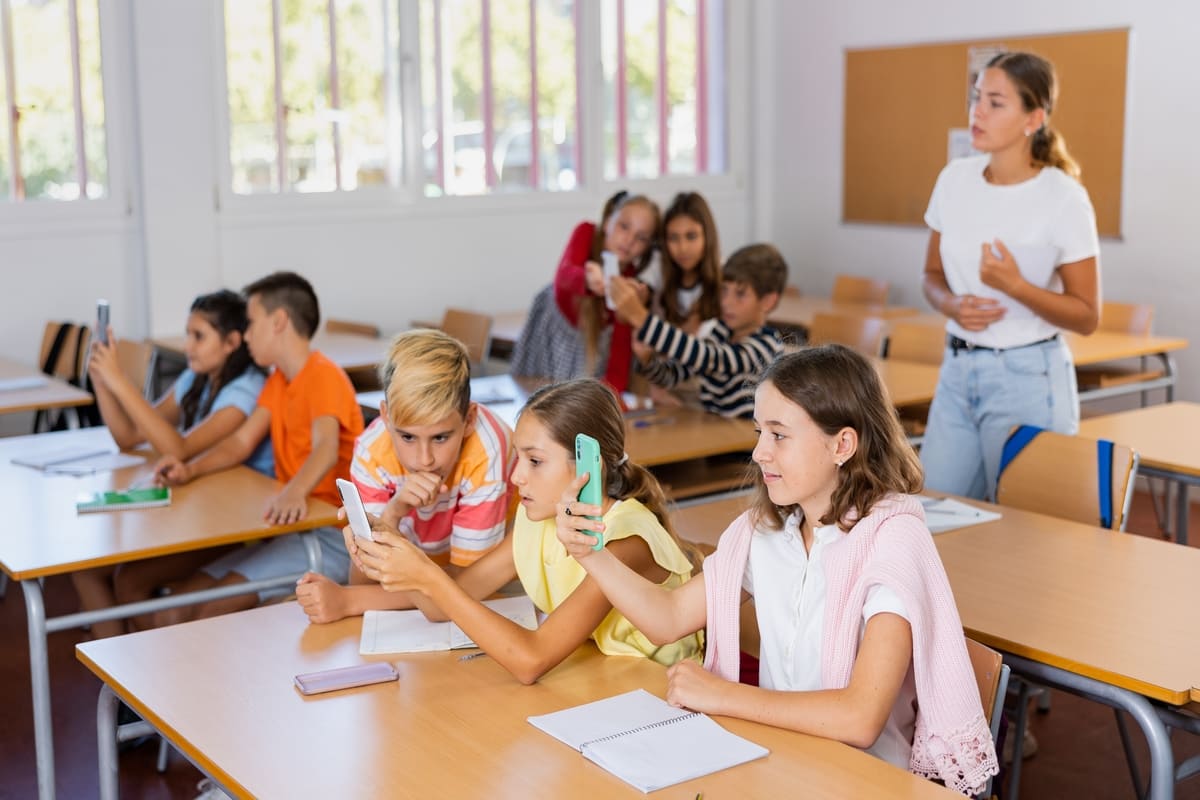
{"x":1037,"y":86}
{"x":588,"y":406}
{"x":425,"y":377}
{"x":838,"y":388}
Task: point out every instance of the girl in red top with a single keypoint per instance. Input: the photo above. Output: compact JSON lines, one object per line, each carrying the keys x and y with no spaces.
{"x":565,"y":338}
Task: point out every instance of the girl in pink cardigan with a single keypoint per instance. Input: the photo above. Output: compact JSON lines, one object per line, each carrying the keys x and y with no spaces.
{"x":860,"y":638}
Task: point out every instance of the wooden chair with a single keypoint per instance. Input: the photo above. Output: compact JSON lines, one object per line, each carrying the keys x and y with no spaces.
{"x":864,"y":334}
{"x":1136,"y":319}
{"x":991,"y":677}
{"x":63,"y":355}
{"x":472,"y":329}
{"x":134,"y":357}
{"x":855,"y":289}
{"x":1057,"y":474}
{"x":913,"y":341}
{"x":355,"y":328}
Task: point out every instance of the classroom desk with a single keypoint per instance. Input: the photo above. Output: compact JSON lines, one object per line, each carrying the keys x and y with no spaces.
{"x":1167,"y":439}
{"x":1103,"y":346}
{"x":506,"y":330}
{"x":1096,"y":612}
{"x":350,"y":351}
{"x":797,"y":311}
{"x":31,"y":390}
{"x":907,"y":382}
{"x":221,"y":691}
{"x":43,"y":535}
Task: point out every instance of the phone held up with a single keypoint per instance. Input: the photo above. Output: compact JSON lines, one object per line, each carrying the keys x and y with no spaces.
{"x":612,"y":268}
{"x":102,"y":321}
{"x":587,"y":459}
{"x":330,"y":680}
{"x":356,"y":513}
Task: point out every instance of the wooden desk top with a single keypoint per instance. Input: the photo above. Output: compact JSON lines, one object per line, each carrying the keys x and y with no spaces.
{"x":1113,"y":606}
{"x":1104,"y":346}
{"x":1166,"y":436}
{"x":349,"y":351}
{"x":222,"y":689}
{"x":907,"y":382}
{"x":44,"y":535}
{"x":506,"y":326}
{"x":50,"y":393}
{"x":799,"y":310}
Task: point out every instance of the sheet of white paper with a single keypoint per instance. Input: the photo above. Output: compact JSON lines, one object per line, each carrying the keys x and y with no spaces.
{"x":25,"y":382}
{"x":100,"y":462}
{"x":947,"y":514}
{"x":386,"y":632}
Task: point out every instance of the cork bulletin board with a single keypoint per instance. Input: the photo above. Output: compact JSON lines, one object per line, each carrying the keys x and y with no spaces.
{"x":902,"y":103}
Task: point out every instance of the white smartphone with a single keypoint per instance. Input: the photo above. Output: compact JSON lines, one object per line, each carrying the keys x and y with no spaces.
{"x":329,"y":680}
{"x":102,"y":321}
{"x":356,"y":513}
{"x":612,"y":268}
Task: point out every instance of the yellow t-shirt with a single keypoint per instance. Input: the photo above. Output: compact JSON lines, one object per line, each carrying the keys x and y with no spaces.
{"x":549,"y":575}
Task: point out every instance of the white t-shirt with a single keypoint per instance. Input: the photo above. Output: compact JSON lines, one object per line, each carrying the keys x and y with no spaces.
{"x":686,"y":299}
{"x":1045,"y":221}
{"x":789,"y":586}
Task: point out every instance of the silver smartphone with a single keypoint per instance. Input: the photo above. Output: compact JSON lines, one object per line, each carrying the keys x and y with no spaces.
{"x":612,"y":268}
{"x":102,"y":321}
{"x":330,"y":680}
{"x":356,"y":513}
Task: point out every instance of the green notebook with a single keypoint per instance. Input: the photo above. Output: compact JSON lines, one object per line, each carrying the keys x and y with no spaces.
{"x":151,"y":497}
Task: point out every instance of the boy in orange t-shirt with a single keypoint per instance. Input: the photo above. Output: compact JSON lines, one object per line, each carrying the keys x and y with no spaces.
{"x":309,"y":408}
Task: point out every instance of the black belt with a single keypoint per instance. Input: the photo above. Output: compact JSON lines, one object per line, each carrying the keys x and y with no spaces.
{"x":956,"y":344}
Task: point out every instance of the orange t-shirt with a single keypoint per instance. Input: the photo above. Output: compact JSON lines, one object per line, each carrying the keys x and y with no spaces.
{"x":320,"y":389}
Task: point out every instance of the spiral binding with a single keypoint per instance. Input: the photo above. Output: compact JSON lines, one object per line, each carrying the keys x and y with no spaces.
{"x":662,"y":723}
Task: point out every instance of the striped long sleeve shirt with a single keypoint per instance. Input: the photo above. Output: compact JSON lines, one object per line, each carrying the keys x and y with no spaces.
{"x":726,"y":369}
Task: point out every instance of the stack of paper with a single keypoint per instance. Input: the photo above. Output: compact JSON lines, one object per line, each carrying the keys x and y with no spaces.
{"x":409,"y":632}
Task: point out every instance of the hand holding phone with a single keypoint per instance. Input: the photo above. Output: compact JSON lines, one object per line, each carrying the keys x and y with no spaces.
{"x":587,"y":459}
{"x":102,"y":321}
{"x":356,"y":513}
{"x":612,"y":268}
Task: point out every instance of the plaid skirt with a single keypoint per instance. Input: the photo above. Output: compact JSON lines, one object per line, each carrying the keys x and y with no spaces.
{"x":551,"y":347}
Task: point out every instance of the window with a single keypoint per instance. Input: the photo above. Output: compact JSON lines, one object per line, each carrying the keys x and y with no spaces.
{"x":493,"y":91}
{"x":311,"y":87}
{"x":52,"y":140}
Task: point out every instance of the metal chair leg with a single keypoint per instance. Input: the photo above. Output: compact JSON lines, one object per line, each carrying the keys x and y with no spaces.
{"x":1018,"y":734}
{"x":164,"y":752}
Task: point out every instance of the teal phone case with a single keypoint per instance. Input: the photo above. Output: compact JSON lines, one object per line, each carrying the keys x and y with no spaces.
{"x":587,"y":459}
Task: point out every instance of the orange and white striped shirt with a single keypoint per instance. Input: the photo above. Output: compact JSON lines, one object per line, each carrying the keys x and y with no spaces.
{"x":467,"y":519}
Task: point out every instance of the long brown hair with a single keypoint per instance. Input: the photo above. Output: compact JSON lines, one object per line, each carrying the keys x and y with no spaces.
{"x":226,"y":312}
{"x":692,"y":206}
{"x":588,"y":406}
{"x":591,"y":307}
{"x":1037,"y":85}
{"x":838,"y":388}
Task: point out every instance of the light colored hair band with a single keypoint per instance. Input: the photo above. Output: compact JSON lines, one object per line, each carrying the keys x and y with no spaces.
{"x":624,"y":458}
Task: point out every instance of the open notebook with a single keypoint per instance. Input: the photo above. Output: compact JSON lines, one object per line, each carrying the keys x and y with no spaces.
{"x":646,"y":742}
{"x":409,"y":632}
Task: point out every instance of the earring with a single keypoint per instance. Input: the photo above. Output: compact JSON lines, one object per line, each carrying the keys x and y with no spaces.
{"x":1028,"y":134}
{"x":839,"y":463}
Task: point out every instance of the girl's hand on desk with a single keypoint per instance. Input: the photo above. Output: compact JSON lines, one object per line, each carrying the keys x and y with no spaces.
{"x":972,"y":312}
{"x":392,"y":560}
{"x":322,"y":599}
{"x":171,"y":471}
{"x":286,"y":507}
{"x":572,"y":521}
{"x":690,"y":685}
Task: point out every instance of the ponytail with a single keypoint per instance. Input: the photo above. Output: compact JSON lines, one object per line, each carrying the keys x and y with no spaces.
{"x":1050,"y":149}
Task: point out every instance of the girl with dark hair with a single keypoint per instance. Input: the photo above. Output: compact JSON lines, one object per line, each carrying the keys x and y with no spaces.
{"x":691,"y":265}
{"x":860,"y":640}
{"x":637,"y":532}
{"x":209,"y":400}
{"x":1012,"y":261}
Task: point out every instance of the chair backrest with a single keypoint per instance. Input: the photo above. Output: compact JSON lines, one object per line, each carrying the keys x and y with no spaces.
{"x":346,"y":326}
{"x":855,"y":289}
{"x":991,"y":677}
{"x":1135,"y":318}
{"x":472,"y":329}
{"x":134,"y":358}
{"x":864,"y":334}
{"x":1073,"y":477}
{"x":71,"y":352}
{"x":911,"y":341}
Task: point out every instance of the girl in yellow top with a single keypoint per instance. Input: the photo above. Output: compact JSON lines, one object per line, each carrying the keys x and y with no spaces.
{"x":637,"y":531}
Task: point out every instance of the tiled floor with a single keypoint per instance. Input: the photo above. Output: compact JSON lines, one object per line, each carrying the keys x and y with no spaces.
{"x":1079,"y":750}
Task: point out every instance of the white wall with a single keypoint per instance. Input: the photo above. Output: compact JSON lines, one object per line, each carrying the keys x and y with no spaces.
{"x":1155,"y":261}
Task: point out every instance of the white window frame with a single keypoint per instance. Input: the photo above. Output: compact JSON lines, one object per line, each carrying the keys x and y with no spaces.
{"x":239,"y":210}
{"x":114,"y":212}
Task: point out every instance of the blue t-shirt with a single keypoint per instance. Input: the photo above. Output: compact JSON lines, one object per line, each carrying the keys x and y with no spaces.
{"x":242,"y":394}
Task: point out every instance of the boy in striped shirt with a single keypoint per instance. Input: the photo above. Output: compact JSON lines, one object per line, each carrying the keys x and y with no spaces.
{"x":726,"y":354}
{"x":433,"y":465}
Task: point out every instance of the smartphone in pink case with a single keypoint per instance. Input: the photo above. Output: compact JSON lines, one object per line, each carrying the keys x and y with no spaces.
{"x":330,"y":680}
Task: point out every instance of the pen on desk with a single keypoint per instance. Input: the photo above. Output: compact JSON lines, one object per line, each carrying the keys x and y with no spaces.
{"x":470,"y":656}
{"x":646,"y":423}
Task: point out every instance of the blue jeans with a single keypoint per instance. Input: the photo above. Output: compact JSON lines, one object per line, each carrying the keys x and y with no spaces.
{"x":981,"y":395}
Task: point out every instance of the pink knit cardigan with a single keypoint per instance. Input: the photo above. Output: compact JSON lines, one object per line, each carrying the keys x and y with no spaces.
{"x":891,"y":546}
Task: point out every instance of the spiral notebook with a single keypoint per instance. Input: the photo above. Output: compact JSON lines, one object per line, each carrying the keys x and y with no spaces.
{"x":646,"y":742}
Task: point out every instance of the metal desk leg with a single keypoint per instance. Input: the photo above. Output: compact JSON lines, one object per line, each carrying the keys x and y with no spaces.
{"x":1162,"y":758}
{"x":313,"y":548}
{"x":39,"y":677}
{"x":1181,"y":512}
{"x":106,"y":738}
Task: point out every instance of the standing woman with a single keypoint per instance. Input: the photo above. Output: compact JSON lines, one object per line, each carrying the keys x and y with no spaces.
{"x":1012,"y":262}
{"x":567,"y":334}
